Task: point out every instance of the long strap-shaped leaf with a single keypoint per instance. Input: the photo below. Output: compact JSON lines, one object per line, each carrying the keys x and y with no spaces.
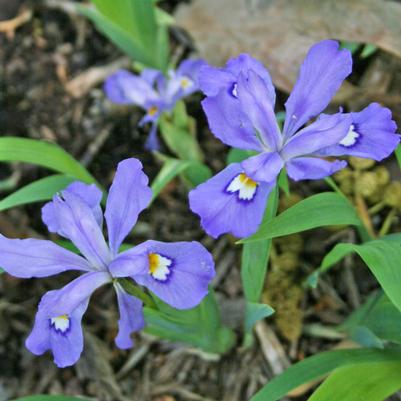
{"x":37,"y":191}
{"x":42,"y":154}
{"x":373,"y":381}
{"x":325,"y":209}
{"x":318,"y":366}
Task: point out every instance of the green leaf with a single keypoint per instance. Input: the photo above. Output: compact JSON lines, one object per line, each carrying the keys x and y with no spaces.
{"x":283,"y":182}
{"x":316,"y":367}
{"x":238,"y":155}
{"x":338,"y":253}
{"x":398,"y":155}
{"x":255,"y":256}
{"x":368,"y":50}
{"x":383,"y":259}
{"x":179,"y":139}
{"x":42,"y":397}
{"x":42,"y":154}
{"x":171,"y":168}
{"x":374,"y":381}
{"x":37,"y":191}
{"x":324,"y":209}
{"x":199,"y":326}
{"x":134,"y":27}
{"x":379,"y":315}
{"x":194,"y":171}
{"x":254,"y":312}
{"x":351,"y":46}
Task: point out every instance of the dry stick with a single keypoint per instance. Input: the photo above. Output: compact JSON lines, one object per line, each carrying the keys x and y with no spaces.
{"x":95,"y":146}
{"x":9,"y":26}
{"x":364,"y":215}
{"x":133,"y":360}
{"x":271,"y":348}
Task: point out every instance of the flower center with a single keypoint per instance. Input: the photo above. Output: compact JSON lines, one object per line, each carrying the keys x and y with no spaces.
{"x":351,"y":138}
{"x":185,"y":83}
{"x":244,"y":186}
{"x":152,"y":111}
{"x":159,"y":266}
{"x":60,"y":323}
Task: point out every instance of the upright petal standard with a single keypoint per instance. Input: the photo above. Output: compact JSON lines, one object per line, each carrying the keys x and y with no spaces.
{"x":178,"y":273}
{"x":154,"y":92}
{"x":239,"y":106}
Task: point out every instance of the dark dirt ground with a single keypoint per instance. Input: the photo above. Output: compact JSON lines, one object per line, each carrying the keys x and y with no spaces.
{"x":37,"y":62}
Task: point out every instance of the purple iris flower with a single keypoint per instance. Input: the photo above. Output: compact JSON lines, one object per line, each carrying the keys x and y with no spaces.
{"x":240,"y":110}
{"x":178,"y":273}
{"x":154,"y":92}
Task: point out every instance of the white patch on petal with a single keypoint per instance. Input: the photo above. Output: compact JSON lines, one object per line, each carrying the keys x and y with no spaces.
{"x":60,"y":323}
{"x":244,"y":185}
{"x":234,"y":90}
{"x":350,"y":138}
{"x":159,"y":266}
{"x":186,"y":83}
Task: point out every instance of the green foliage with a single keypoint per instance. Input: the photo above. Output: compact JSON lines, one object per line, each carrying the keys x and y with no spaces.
{"x":136,"y":27}
{"x":319,"y":210}
{"x":40,"y":190}
{"x":381,"y":256}
{"x":13,"y":149}
{"x":255,"y":256}
{"x":238,"y":155}
{"x":377,"y":318}
{"x":373,"y":381}
{"x":316,"y":367}
{"x":195,"y":172}
{"x":199,"y":326}
{"x":178,"y":132}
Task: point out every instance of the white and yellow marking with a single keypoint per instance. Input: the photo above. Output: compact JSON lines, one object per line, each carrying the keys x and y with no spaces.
{"x":152,"y":111}
{"x":244,"y":185}
{"x":159,"y":266}
{"x":350,"y":138}
{"x":186,"y":83}
{"x":61,"y":323}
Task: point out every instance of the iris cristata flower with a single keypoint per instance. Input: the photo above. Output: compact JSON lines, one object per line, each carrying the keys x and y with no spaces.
{"x":154,"y":92}
{"x":240,"y":110}
{"x":178,"y":273}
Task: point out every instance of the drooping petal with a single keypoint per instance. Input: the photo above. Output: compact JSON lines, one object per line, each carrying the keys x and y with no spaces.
{"x":371,"y":135}
{"x":228,"y":122}
{"x":212,"y":80}
{"x":123,"y":87}
{"x":256,"y":104}
{"x":75,"y":292}
{"x":178,"y":273}
{"x":77,"y":222}
{"x":321,"y":75}
{"x":128,"y":196}
{"x":60,"y":334}
{"x":264,"y":167}
{"x":131,"y":318}
{"x":312,"y":168}
{"x":325,"y":131}
{"x":89,"y":193}
{"x":152,"y":141}
{"x":28,"y":258}
{"x":230,"y":202}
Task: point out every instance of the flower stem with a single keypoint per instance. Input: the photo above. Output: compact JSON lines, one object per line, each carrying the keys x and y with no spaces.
{"x":134,"y":290}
